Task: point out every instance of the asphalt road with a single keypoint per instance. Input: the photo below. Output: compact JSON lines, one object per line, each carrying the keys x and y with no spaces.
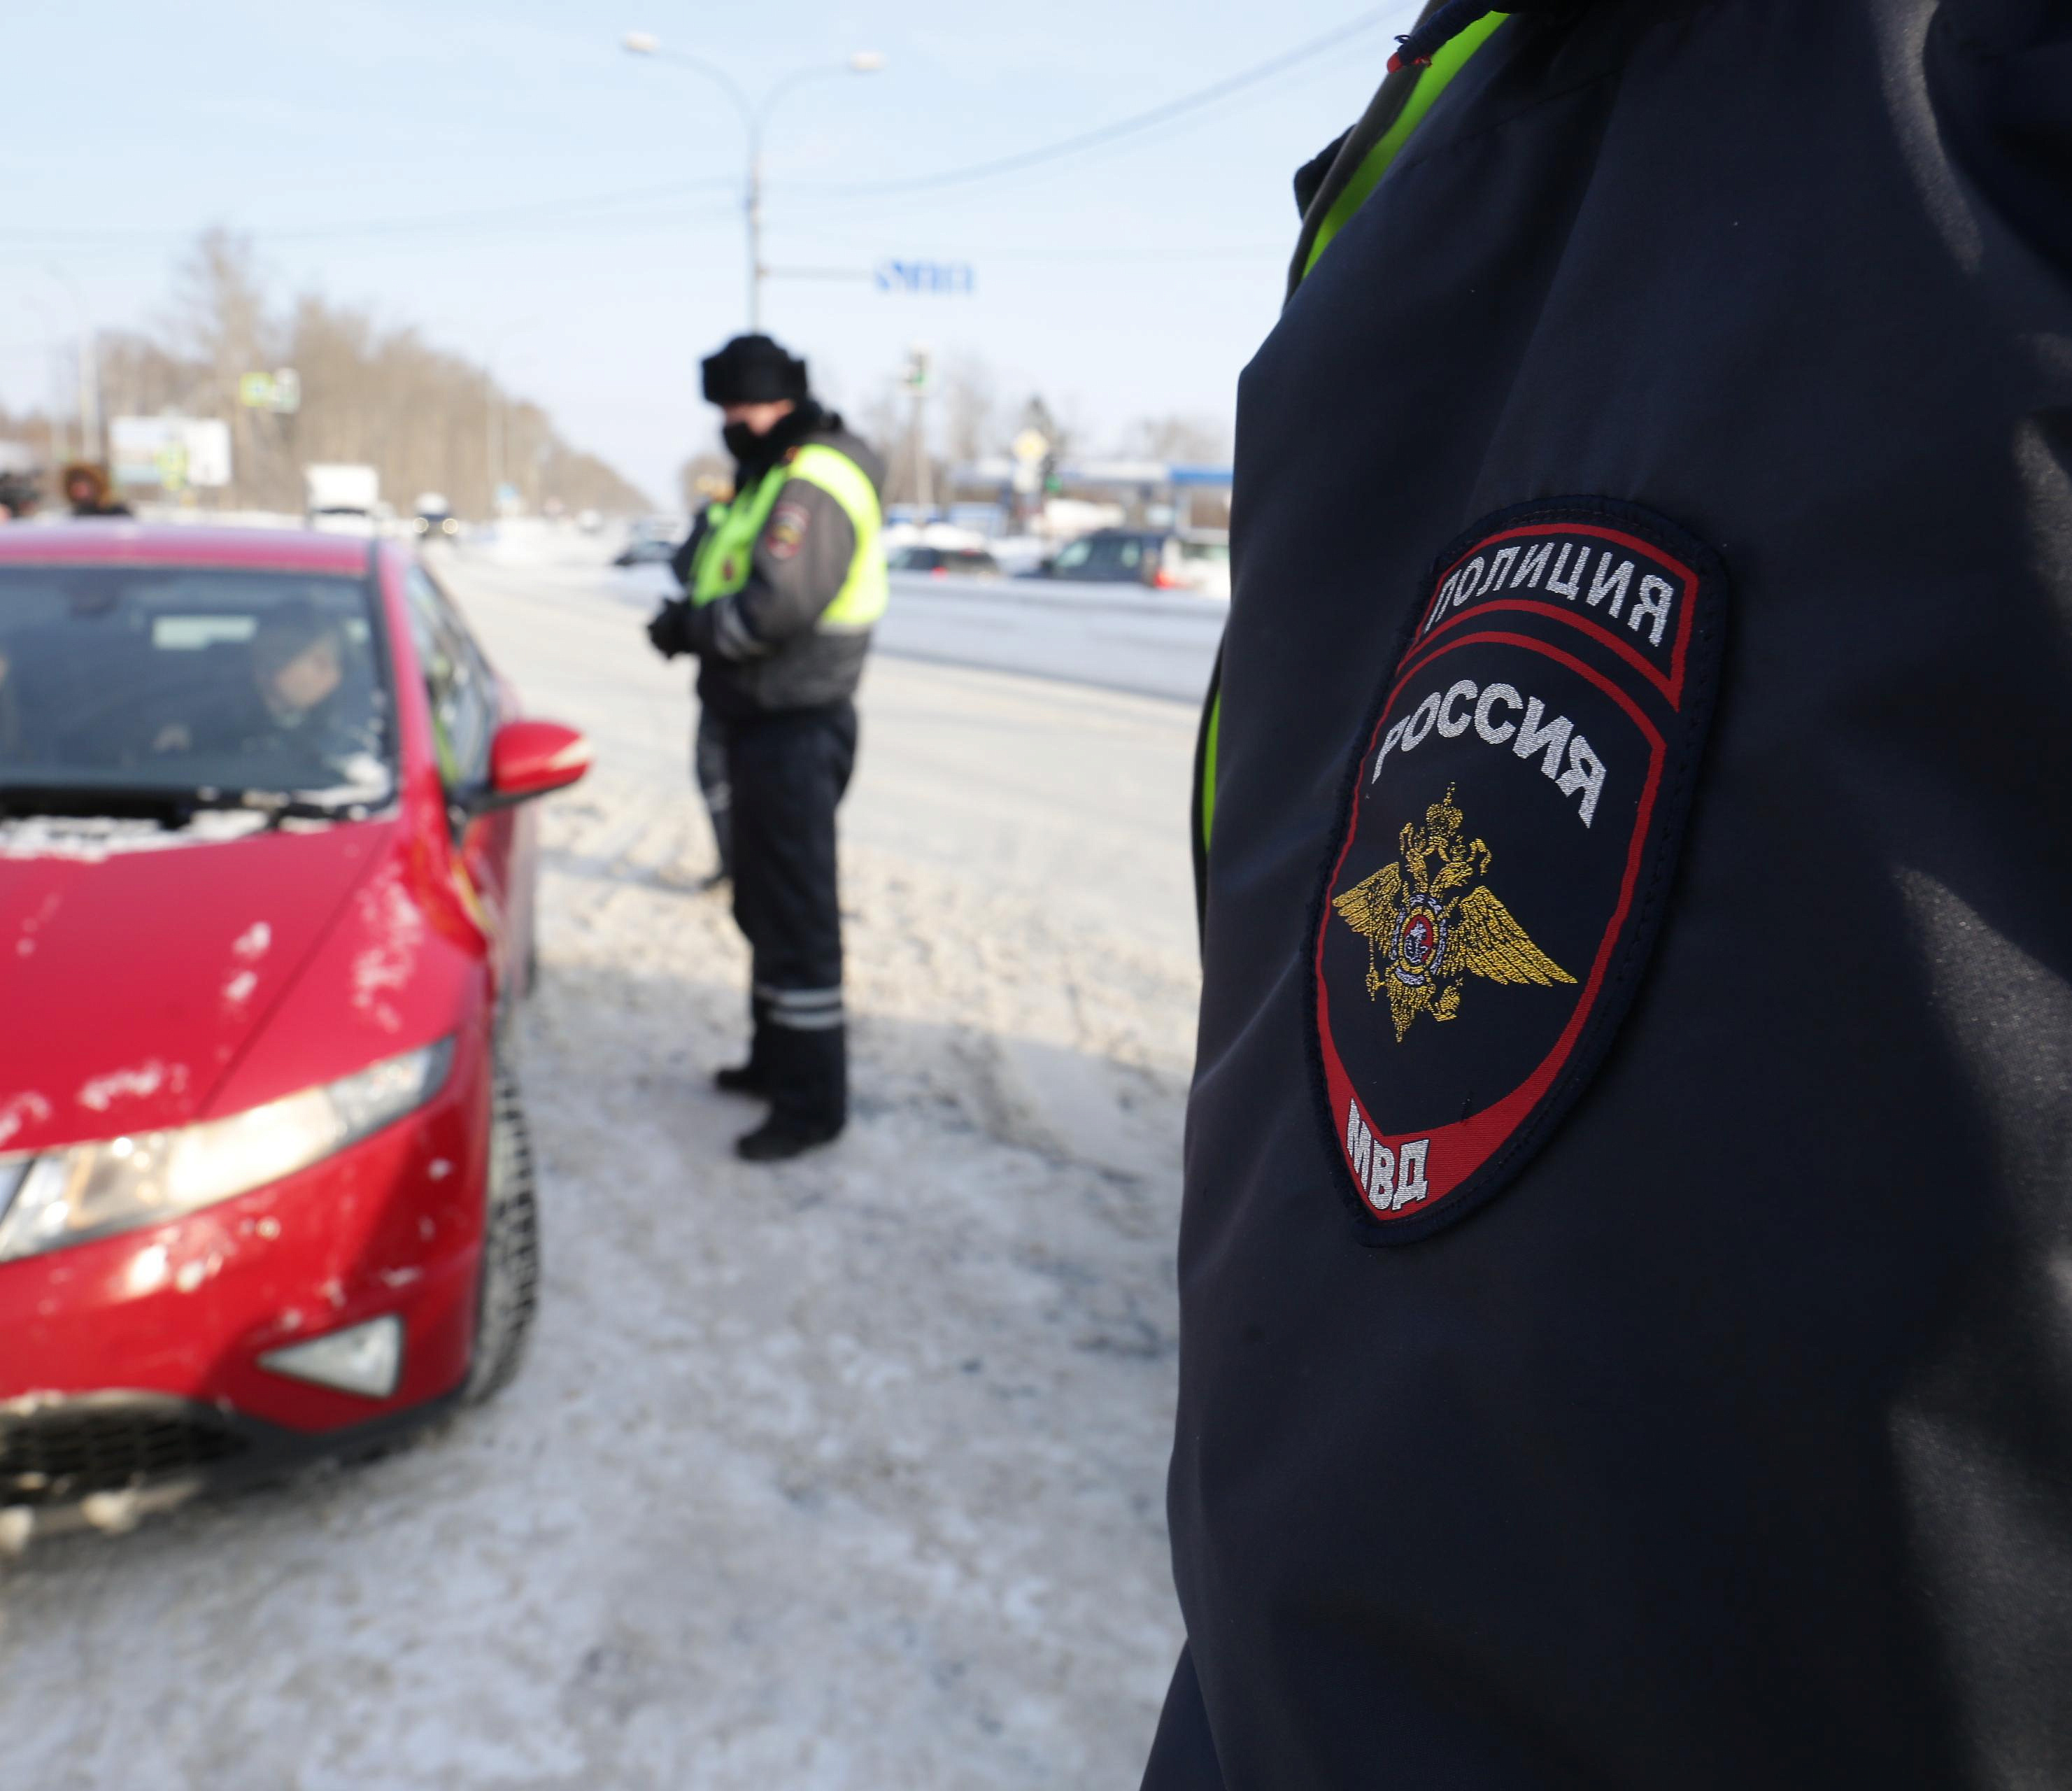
{"x":1114,"y":637}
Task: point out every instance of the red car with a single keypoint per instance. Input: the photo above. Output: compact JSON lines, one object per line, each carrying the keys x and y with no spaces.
{"x":265,"y":901}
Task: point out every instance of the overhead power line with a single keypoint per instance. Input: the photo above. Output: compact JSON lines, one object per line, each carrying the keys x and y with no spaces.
{"x":1122,"y":127}
{"x":533,"y":210}
{"x":588,"y":209}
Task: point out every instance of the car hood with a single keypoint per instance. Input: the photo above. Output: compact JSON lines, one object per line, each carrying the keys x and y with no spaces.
{"x":132,"y":979}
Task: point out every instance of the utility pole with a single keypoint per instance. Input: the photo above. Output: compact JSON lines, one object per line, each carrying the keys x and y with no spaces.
{"x":920,"y":376}
{"x":754,"y":117}
{"x":89,"y":371}
{"x":756,"y":269}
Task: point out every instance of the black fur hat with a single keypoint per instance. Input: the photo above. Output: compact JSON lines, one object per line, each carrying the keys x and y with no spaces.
{"x":753,"y":369}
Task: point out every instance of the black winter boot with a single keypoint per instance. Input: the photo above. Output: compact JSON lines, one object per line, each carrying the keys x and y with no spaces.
{"x":780,"y":1138}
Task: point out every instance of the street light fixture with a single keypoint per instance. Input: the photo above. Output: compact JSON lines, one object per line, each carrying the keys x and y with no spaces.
{"x":756,"y":117}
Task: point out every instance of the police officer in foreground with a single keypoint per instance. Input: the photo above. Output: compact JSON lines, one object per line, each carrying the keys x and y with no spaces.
{"x":1626,"y":1268}
{"x":783,"y":583}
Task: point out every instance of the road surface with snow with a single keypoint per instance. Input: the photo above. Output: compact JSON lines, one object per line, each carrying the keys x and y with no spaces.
{"x":848,"y":1473}
{"x":1111,"y":636}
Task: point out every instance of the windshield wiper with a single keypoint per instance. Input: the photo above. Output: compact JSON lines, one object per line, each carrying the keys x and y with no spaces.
{"x":170,"y":808}
{"x":279,"y":805}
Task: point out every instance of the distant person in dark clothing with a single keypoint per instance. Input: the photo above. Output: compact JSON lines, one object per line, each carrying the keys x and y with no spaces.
{"x":88,"y":493}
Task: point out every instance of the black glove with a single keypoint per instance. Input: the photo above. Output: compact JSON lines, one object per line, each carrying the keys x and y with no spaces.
{"x":671,"y":629}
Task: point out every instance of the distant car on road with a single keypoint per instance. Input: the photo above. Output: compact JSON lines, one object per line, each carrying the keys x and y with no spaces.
{"x":646,"y":550}
{"x":966,"y":562}
{"x":266,"y":887}
{"x":435,"y":516}
{"x":1164,"y":559}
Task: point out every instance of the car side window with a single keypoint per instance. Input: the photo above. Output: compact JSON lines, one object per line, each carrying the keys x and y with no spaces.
{"x":1111,"y":553}
{"x":463,"y":701}
{"x":1075,"y":554}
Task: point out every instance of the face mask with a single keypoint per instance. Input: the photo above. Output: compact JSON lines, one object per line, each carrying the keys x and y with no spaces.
{"x":742,"y":442}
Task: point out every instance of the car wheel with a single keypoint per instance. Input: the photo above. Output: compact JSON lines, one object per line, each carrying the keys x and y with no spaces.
{"x":509,"y":1286}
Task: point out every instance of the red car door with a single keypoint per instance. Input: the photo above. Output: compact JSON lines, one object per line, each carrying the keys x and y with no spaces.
{"x":465,"y":699}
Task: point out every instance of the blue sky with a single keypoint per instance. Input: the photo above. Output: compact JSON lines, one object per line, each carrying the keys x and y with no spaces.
{"x":509,"y":179}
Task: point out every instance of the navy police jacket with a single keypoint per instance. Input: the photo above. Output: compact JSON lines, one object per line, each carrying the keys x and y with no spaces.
{"x":1627,"y":1260}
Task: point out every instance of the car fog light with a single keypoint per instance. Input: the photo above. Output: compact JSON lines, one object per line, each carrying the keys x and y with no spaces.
{"x":365,"y":1359}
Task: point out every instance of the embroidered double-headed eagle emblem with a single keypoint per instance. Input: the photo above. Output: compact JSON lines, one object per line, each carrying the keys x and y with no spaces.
{"x":1429,"y":924}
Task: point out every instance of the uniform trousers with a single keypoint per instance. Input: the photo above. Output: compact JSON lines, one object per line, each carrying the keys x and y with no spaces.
{"x":789,"y":771}
{"x":709,"y":767}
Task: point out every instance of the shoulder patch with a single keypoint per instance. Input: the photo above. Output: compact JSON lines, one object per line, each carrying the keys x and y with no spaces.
{"x":1509,"y":835}
{"x":787,"y":532}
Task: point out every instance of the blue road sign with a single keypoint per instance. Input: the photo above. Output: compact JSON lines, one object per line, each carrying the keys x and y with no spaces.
{"x":940,"y":279}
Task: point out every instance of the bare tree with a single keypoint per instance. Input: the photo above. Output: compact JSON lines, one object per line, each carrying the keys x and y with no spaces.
{"x":1193,"y":441}
{"x":222,"y":328}
{"x":884,"y":423}
{"x":970,"y":410}
{"x":428,"y":419}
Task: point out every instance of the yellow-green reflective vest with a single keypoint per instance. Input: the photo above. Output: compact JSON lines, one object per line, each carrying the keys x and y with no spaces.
{"x":727,"y":555}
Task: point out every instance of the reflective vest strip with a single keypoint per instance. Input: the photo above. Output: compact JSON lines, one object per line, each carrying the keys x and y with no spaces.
{"x":1205,"y":789}
{"x":727,"y":556}
{"x":1448,"y":61}
{"x":864,"y":594}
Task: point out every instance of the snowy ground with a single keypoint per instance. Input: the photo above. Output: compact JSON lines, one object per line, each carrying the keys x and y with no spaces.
{"x":848,"y":1473}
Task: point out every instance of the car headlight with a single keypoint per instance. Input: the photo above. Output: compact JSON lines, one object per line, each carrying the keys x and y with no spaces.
{"x":89,"y":1191}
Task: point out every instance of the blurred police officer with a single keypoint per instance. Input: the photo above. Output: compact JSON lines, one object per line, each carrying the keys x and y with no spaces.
{"x":1625,"y":1267}
{"x":785,"y":582}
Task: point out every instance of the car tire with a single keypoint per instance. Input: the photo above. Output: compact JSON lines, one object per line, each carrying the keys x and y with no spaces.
{"x":508,"y":1289}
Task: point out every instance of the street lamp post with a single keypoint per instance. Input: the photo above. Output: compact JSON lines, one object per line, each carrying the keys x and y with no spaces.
{"x":754,"y":117}
{"x":87,"y":370}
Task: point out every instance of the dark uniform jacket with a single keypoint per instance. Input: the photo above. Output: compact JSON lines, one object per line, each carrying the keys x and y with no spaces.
{"x":761,"y":649}
{"x":1626,"y":1261}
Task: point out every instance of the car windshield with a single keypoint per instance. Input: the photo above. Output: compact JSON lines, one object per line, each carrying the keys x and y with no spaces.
{"x":153,"y":680}
{"x":1207,"y":553}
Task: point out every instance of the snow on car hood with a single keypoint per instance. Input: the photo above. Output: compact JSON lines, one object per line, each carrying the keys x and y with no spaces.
{"x":130,"y":980}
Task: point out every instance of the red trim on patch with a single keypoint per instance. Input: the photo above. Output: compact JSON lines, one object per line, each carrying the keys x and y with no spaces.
{"x":1672,"y":687}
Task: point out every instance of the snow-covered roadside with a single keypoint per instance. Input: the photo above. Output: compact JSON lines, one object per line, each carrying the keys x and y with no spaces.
{"x":846,"y":1474}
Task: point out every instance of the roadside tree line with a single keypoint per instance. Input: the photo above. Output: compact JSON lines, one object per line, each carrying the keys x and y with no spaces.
{"x":428,"y":418}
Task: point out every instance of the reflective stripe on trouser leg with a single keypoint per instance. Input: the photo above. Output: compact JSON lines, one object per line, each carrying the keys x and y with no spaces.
{"x":803,"y":1010}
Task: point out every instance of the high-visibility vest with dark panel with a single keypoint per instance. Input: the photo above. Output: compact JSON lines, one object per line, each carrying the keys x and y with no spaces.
{"x":727,"y":555}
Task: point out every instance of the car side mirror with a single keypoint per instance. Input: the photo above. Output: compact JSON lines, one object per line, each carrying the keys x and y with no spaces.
{"x":531,"y":758}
